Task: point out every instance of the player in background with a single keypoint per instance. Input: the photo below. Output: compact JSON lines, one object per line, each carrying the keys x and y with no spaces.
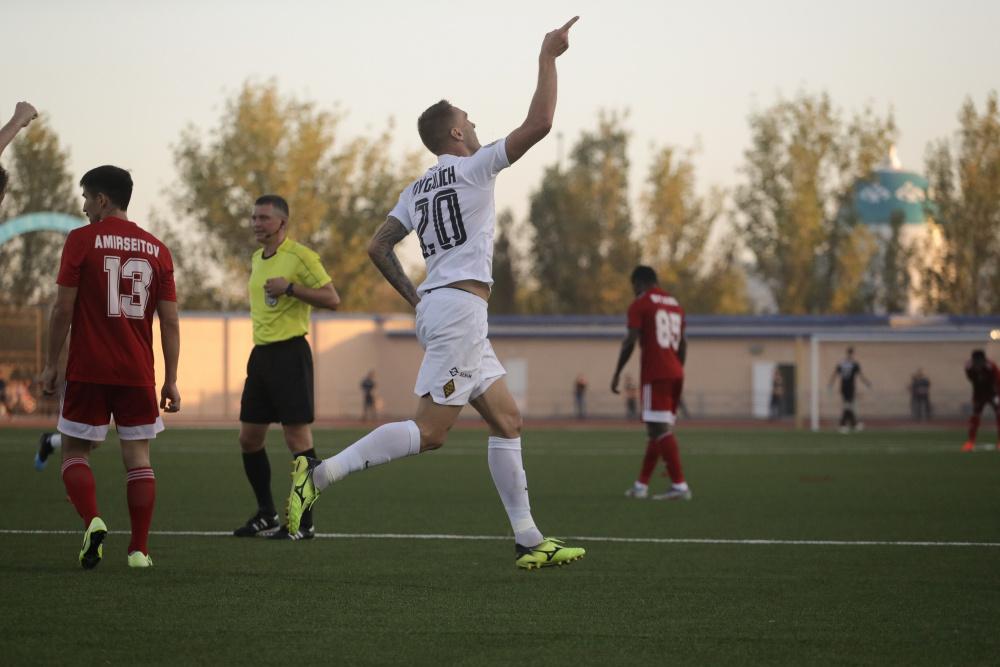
{"x":113,"y":276}
{"x":24,"y":113}
{"x":984,"y":375}
{"x":452,"y":209}
{"x":287,"y":280}
{"x":849,"y":370}
{"x":656,"y":321}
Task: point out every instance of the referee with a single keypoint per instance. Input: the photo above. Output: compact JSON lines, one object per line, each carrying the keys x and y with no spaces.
{"x":286,"y":281}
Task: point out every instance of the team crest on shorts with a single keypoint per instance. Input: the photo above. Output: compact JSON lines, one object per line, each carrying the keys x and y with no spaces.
{"x":449,"y":388}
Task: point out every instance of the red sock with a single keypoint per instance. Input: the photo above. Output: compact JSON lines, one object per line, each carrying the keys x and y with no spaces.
{"x":672,"y":455}
{"x":79,"y":481}
{"x":973,"y":427}
{"x":649,"y":462}
{"x":141,"y":492}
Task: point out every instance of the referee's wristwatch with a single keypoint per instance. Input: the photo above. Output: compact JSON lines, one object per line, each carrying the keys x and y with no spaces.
{"x":290,"y":290}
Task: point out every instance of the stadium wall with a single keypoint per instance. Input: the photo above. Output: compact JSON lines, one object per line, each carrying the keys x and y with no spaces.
{"x":544,"y":355}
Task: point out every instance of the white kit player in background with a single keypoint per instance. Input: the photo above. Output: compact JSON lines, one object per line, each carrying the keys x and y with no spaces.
{"x":452,"y":210}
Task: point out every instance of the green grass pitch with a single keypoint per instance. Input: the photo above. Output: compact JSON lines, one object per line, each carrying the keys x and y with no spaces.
{"x":364,"y":598}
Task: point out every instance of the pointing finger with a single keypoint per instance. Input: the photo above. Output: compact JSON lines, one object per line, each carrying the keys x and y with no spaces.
{"x":569,"y":24}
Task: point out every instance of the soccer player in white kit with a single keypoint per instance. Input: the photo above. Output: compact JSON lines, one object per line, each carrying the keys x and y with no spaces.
{"x":452,"y":210}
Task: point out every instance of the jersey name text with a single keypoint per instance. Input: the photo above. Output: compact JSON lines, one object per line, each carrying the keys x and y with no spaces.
{"x":126,"y":243}
{"x":434,"y":181}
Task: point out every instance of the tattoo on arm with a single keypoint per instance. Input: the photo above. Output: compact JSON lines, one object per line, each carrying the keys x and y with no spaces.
{"x":382,"y":251}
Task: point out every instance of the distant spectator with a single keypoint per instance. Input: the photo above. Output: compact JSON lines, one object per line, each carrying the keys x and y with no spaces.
{"x":368,"y":411}
{"x":777,"y":395}
{"x":920,"y":396}
{"x":4,"y":400}
{"x":580,"y":396}
{"x":631,"y":398}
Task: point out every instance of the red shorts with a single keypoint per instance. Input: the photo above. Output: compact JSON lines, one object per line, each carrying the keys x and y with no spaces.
{"x":87,"y":409}
{"x":660,"y":399}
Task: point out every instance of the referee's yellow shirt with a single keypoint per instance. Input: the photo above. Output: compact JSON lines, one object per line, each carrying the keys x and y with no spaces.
{"x":286,"y":317}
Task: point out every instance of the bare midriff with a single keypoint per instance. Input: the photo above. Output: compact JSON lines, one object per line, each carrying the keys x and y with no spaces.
{"x":480,"y":289}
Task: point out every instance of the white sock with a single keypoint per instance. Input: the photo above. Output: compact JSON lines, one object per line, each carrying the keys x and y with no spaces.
{"x":683,"y":486}
{"x":386,"y":443}
{"x":55,"y":440}
{"x":504,"y":456}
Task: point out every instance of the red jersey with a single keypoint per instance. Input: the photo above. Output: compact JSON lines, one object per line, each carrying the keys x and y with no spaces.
{"x":122,"y":272}
{"x":985,"y":379}
{"x":660,"y":321}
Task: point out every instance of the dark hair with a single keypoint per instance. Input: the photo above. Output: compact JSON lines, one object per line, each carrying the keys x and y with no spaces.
{"x":644,"y":275}
{"x":3,"y":180}
{"x":276,"y":201}
{"x":113,"y":182}
{"x":850,"y":350}
{"x":434,"y":125}
{"x":978,"y":355}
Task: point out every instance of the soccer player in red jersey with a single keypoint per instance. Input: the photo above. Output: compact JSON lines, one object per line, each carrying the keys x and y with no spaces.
{"x":656,"y":320}
{"x":112,"y":278}
{"x":985,"y":378}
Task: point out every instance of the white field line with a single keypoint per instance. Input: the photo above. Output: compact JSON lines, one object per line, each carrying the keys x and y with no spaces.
{"x":579,"y":538}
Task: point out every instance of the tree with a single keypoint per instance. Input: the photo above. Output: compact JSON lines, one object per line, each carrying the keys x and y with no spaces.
{"x":894,"y":261}
{"x":583,"y":246}
{"x":964,"y":275}
{"x":339,"y":191}
{"x":677,"y":231}
{"x":503,"y":299}
{"x":795,"y":206}
{"x":40,"y":182}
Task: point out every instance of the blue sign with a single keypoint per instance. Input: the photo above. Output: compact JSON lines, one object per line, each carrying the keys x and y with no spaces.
{"x":39,"y":222}
{"x":890,"y":191}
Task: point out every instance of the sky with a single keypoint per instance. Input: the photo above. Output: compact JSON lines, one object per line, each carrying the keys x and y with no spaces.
{"x":119,"y":81}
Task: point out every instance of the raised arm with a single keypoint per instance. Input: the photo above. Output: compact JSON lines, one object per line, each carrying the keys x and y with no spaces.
{"x":382,"y":251}
{"x":543,"y":103}
{"x":24,"y":113}
{"x":170,"y":341}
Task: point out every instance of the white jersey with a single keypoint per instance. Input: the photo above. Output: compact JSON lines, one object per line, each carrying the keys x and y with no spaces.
{"x":452,"y":209}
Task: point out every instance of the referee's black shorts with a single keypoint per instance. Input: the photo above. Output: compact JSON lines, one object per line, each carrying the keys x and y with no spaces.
{"x":279,"y":384}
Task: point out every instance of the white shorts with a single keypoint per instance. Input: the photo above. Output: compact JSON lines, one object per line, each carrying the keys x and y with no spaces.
{"x":459,"y":363}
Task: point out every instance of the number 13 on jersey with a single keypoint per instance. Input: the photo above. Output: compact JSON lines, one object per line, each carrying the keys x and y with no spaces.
{"x":139,"y":274}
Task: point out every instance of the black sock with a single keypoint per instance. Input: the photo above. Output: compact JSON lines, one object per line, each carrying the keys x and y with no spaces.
{"x":258,"y":470}
{"x":309,"y":453}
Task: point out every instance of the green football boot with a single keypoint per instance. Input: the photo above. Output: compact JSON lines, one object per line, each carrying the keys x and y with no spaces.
{"x":92,"y":551}
{"x":139,"y":559}
{"x":547,"y":554}
{"x":303,"y":494}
